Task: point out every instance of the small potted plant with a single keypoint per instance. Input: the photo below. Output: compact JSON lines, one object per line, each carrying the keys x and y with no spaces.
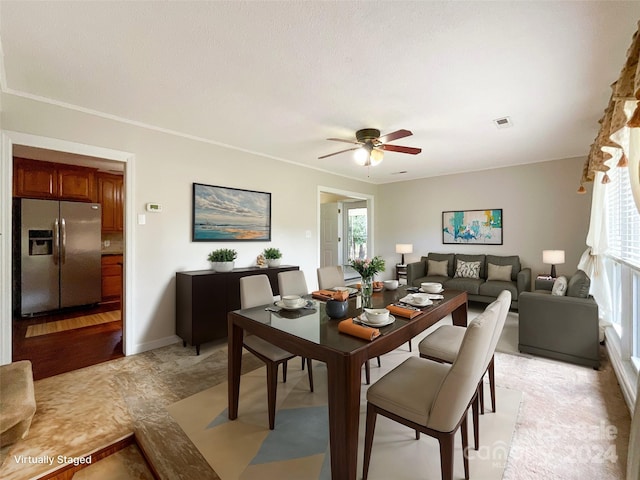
{"x":222,"y":259}
{"x":273,"y":256}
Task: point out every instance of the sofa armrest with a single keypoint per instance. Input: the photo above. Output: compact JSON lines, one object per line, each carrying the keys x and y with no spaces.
{"x":524,"y":281}
{"x":416,"y":270}
{"x":558,"y":326}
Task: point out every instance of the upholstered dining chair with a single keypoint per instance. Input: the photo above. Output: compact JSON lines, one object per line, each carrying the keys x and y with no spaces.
{"x":444,"y":344}
{"x":333,"y":276}
{"x":432,"y":397}
{"x":292,"y":282}
{"x":256,"y":290}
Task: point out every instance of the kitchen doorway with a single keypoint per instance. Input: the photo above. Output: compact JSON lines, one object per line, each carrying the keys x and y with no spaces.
{"x":70,"y":338}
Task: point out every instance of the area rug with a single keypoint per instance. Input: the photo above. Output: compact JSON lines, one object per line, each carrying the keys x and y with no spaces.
{"x":72,"y":323}
{"x":298,"y":448}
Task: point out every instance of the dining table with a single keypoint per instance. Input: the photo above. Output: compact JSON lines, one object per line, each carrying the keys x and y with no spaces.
{"x":311,"y":333}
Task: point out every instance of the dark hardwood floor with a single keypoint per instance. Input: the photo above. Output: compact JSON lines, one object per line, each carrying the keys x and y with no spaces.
{"x":61,"y":352}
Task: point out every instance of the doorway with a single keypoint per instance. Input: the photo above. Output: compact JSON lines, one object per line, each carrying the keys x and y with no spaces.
{"x":72,"y":338}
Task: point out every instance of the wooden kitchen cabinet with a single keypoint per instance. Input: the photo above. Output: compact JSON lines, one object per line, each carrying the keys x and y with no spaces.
{"x":111,"y":277}
{"x":110,"y":196}
{"x":204,"y":297}
{"x":36,"y":179}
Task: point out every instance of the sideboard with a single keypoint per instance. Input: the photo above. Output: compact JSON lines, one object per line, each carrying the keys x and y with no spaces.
{"x":204,"y":297}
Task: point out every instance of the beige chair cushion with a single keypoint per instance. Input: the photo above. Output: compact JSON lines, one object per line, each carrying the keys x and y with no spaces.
{"x":329,"y":277}
{"x":444,"y":343}
{"x":17,"y":401}
{"x":409,"y":389}
{"x":273,"y":353}
{"x":292,"y":283}
{"x":460,"y":384}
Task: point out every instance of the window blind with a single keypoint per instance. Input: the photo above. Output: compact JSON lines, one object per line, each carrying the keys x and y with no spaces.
{"x":623,"y":219}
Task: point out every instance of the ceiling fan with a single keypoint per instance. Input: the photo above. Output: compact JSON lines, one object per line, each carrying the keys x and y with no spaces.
{"x":371,"y":146}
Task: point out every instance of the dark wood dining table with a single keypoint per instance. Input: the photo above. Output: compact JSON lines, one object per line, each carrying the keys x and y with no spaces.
{"x":314,"y":335}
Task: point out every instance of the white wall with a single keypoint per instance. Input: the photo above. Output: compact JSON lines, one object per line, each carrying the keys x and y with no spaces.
{"x":165,"y":167}
{"x":541,"y":210}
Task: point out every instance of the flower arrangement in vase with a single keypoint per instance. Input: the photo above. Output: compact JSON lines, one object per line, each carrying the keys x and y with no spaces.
{"x":367,"y":268}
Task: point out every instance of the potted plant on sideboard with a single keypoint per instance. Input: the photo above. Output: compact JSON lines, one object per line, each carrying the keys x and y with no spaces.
{"x":273,"y":256}
{"x":222,"y":259}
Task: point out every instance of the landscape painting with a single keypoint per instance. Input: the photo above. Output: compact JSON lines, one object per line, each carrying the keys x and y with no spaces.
{"x":223,"y":214}
{"x":472,"y":227}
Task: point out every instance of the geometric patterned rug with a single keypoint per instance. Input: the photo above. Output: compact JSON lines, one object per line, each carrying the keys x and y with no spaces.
{"x":72,"y":323}
{"x":298,"y":447}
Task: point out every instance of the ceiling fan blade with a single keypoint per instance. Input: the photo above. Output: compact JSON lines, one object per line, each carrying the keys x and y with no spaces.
{"x":401,"y":149}
{"x":390,"y":137}
{"x":343,"y":140}
{"x":336,"y":153}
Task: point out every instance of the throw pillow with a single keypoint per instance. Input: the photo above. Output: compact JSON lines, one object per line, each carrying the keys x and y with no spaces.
{"x":467,"y":269}
{"x":437,"y":268}
{"x":559,"y":286}
{"x":501,"y":273}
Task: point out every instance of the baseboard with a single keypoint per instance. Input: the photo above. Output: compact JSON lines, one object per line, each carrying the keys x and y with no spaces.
{"x":624,"y":370}
{"x":162,"y":342}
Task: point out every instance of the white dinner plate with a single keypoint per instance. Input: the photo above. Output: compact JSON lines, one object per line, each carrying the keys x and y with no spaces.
{"x":422,"y":291}
{"x":363,"y":319}
{"x":281,"y":304}
{"x":410,"y":301}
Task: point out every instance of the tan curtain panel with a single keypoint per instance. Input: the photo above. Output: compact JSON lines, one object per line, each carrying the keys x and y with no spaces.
{"x":627,"y":87}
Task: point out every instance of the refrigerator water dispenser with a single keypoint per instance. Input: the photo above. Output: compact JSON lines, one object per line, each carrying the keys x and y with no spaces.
{"x":40,"y":242}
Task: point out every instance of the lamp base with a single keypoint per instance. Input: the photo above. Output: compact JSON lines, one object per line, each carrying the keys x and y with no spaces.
{"x":553,"y":271}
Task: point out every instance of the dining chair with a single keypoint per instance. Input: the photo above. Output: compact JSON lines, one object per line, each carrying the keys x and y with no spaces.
{"x":255,"y":290}
{"x":433,"y":397}
{"x":444,"y":344}
{"x":333,"y":276}
{"x":292,"y":282}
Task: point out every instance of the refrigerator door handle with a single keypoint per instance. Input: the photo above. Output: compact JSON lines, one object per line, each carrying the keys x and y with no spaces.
{"x":56,"y":241}
{"x":63,"y":243}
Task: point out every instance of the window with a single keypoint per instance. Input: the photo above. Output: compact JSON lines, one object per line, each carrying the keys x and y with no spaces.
{"x":356,"y":233}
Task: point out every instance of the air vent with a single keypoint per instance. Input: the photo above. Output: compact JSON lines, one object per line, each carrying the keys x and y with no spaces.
{"x":504,"y":122}
{"x":399,"y":173}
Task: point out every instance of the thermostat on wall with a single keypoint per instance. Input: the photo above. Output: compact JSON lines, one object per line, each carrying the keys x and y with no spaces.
{"x":154,"y":207}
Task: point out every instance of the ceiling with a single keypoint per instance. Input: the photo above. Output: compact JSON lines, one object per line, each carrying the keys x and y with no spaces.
{"x":279,"y":78}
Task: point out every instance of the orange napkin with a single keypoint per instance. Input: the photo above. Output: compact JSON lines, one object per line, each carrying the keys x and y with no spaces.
{"x":341,"y":295}
{"x":368,"y":333}
{"x":403,"y":312}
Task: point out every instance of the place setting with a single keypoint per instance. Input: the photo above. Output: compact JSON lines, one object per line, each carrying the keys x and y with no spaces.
{"x":293,"y":306}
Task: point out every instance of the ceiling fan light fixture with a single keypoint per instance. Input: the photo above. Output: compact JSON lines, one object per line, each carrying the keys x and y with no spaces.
{"x":361,"y":156}
{"x":376,"y":157}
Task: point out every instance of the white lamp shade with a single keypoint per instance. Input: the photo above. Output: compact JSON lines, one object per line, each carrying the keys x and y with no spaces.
{"x":553,"y":257}
{"x":404,"y":248}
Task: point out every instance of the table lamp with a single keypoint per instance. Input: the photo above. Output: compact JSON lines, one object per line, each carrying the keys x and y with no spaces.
{"x":404,"y":248}
{"x":553,"y":258}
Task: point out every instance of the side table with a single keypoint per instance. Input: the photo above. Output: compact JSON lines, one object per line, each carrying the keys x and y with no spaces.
{"x":544,"y":282}
{"x":401,"y":274}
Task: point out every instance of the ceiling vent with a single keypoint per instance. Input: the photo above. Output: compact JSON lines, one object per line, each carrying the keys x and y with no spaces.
{"x":504,"y":122}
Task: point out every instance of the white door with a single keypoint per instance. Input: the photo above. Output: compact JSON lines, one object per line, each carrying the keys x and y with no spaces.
{"x":330,"y":234}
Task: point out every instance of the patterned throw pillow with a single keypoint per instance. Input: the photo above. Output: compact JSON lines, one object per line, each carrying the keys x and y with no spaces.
{"x":501,"y":273}
{"x":559,"y":287}
{"x":467,"y":269}
{"x":437,"y":268}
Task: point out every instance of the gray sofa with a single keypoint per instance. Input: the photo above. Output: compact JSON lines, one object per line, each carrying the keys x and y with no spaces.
{"x":481,"y":289}
{"x":561,"y":327}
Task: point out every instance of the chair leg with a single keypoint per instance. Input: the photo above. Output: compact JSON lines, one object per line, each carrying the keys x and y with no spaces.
{"x":476,"y":420}
{"x":481,"y":394}
{"x":272,"y":387}
{"x":368,"y":439}
{"x":446,"y":455}
{"x":492,"y":383}
{"x":465,"y":445}
{"x":302,"y":366}
{"x":310,"y":373}
{"x":284,"y":372}
{"x":367,"y":373}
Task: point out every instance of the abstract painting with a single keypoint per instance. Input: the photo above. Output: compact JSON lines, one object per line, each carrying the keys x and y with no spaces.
{"x":472,"y":227}
{"x":223,"y":214}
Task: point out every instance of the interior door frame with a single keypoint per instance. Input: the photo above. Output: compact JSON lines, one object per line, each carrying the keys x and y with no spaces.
{"x":7,"y":140}
{"x":370,"y":215}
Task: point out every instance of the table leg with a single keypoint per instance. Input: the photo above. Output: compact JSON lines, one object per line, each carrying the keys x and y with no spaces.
{"x":234,"y":367}
{"x":459,"y":315}
{"x":344,"y":383}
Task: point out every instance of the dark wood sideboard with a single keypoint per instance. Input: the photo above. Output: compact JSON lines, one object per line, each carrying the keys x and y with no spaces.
{"x":204,"y":297}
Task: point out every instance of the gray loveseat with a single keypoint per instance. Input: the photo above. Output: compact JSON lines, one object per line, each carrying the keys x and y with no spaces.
{"x":561,"y":327}
{"x":496,"y":273}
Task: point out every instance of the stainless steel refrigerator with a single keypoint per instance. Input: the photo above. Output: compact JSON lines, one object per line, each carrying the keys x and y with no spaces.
{"x":59,"y":254}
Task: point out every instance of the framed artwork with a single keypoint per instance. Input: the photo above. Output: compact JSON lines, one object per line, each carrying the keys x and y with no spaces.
{"x":475,"y":227}
{"x":223,"y":214}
